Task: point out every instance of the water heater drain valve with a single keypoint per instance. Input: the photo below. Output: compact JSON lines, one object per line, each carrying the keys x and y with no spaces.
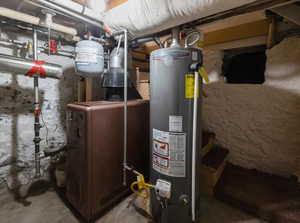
{"x":163,"y":189}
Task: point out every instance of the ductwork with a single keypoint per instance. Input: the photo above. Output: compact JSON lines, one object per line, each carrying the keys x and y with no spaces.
{"x":22,"y":66}
{"x":22,"y":17}
{"x":143,"y":18}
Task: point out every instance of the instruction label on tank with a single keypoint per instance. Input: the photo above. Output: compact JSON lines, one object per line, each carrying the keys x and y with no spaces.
{"x":86,"y":58}
{"x":175,"y":123}
{"x":169,"y":153}
{"x":86,"y":55}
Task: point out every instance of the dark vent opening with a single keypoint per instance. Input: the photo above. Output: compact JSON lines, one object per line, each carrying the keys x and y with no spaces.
{"x":245,"y":65}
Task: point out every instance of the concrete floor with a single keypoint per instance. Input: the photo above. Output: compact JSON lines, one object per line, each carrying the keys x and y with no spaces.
{"x":48,"y":208}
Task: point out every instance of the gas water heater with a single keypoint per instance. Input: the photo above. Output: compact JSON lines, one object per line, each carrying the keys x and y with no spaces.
{"x":175,"y":130}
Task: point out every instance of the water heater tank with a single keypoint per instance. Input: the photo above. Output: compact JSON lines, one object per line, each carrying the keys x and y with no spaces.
{"x":89,"y":60}
{"x":171,"y":131}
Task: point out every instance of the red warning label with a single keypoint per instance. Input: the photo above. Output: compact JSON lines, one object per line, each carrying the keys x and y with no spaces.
{"x":161,"y":148}
{"x":169,"y":153}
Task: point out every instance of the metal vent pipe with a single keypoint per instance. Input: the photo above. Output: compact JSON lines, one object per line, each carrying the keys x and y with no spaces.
{"x":22,"y":66}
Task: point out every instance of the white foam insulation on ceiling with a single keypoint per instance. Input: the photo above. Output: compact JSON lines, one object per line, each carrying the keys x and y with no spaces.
{"x":140,"y":17}
{"x":145,"y":17}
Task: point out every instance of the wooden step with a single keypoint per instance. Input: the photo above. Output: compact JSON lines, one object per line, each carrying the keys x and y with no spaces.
{"x":261,"y":194}
{"x":212,"y":167}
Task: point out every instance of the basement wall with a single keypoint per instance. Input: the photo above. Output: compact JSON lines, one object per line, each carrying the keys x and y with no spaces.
{"x":259,"y":124}
{"x":16,"y":119}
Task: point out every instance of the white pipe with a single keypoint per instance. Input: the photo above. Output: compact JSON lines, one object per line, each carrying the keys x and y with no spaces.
{"x":60,"y":28}
{"x":89,"y":12}
{"x":12,"y":14}
{"x":64,"y":9}
{"x":194,"y":145}
{"x":125,"y":106}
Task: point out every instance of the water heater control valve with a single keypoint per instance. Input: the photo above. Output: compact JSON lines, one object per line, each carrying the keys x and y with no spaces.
{"x":163,"y":189}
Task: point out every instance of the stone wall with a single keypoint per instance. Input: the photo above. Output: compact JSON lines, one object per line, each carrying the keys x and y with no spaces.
{"x":259,"y":124}
{"x":16,"y":119}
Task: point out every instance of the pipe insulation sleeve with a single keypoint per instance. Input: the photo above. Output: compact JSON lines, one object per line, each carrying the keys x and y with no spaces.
{"x":12,"y":14}
{"x":23,"y":66}
{"x":87,"y":11}
{"x":23,"y":17}
{"x":60,"y":28}
{"x":65,"y":11}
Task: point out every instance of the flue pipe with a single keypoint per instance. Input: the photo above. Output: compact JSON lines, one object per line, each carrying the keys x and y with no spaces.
{"x":23,"y":66}
{"x":23,"y":17}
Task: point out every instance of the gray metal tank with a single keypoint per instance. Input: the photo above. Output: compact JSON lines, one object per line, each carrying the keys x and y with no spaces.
{"x":114,"y":77}
{"x":171,"y":131}
{"x":89,"y":60}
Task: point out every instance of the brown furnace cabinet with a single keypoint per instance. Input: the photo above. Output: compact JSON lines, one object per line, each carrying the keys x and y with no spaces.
{"x":95,"y":152}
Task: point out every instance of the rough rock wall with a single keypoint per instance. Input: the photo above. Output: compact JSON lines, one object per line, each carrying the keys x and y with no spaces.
{"x":16,"y":119}
{"x":259,"y":124}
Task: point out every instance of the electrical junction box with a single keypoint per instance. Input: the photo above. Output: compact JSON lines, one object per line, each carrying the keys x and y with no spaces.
{"x":163,"y":189}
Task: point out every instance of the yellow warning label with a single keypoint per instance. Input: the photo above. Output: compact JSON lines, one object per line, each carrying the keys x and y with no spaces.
{"x":189,"y":85}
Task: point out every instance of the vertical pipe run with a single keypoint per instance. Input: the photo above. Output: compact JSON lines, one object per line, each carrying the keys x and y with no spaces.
{"x":195,"y":111}
{"x":125,"y":108}
{"x":37,"y":138}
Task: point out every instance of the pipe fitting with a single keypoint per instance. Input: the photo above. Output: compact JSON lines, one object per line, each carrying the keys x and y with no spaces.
{"x":184,"y":199}
{"x":175,"y":37}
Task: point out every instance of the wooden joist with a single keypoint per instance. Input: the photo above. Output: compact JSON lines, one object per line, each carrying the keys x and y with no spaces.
{"x":239,"y":32}
{"x":114,"y":3}
{"x":82,"y":2}
{"x":245,"y":31}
